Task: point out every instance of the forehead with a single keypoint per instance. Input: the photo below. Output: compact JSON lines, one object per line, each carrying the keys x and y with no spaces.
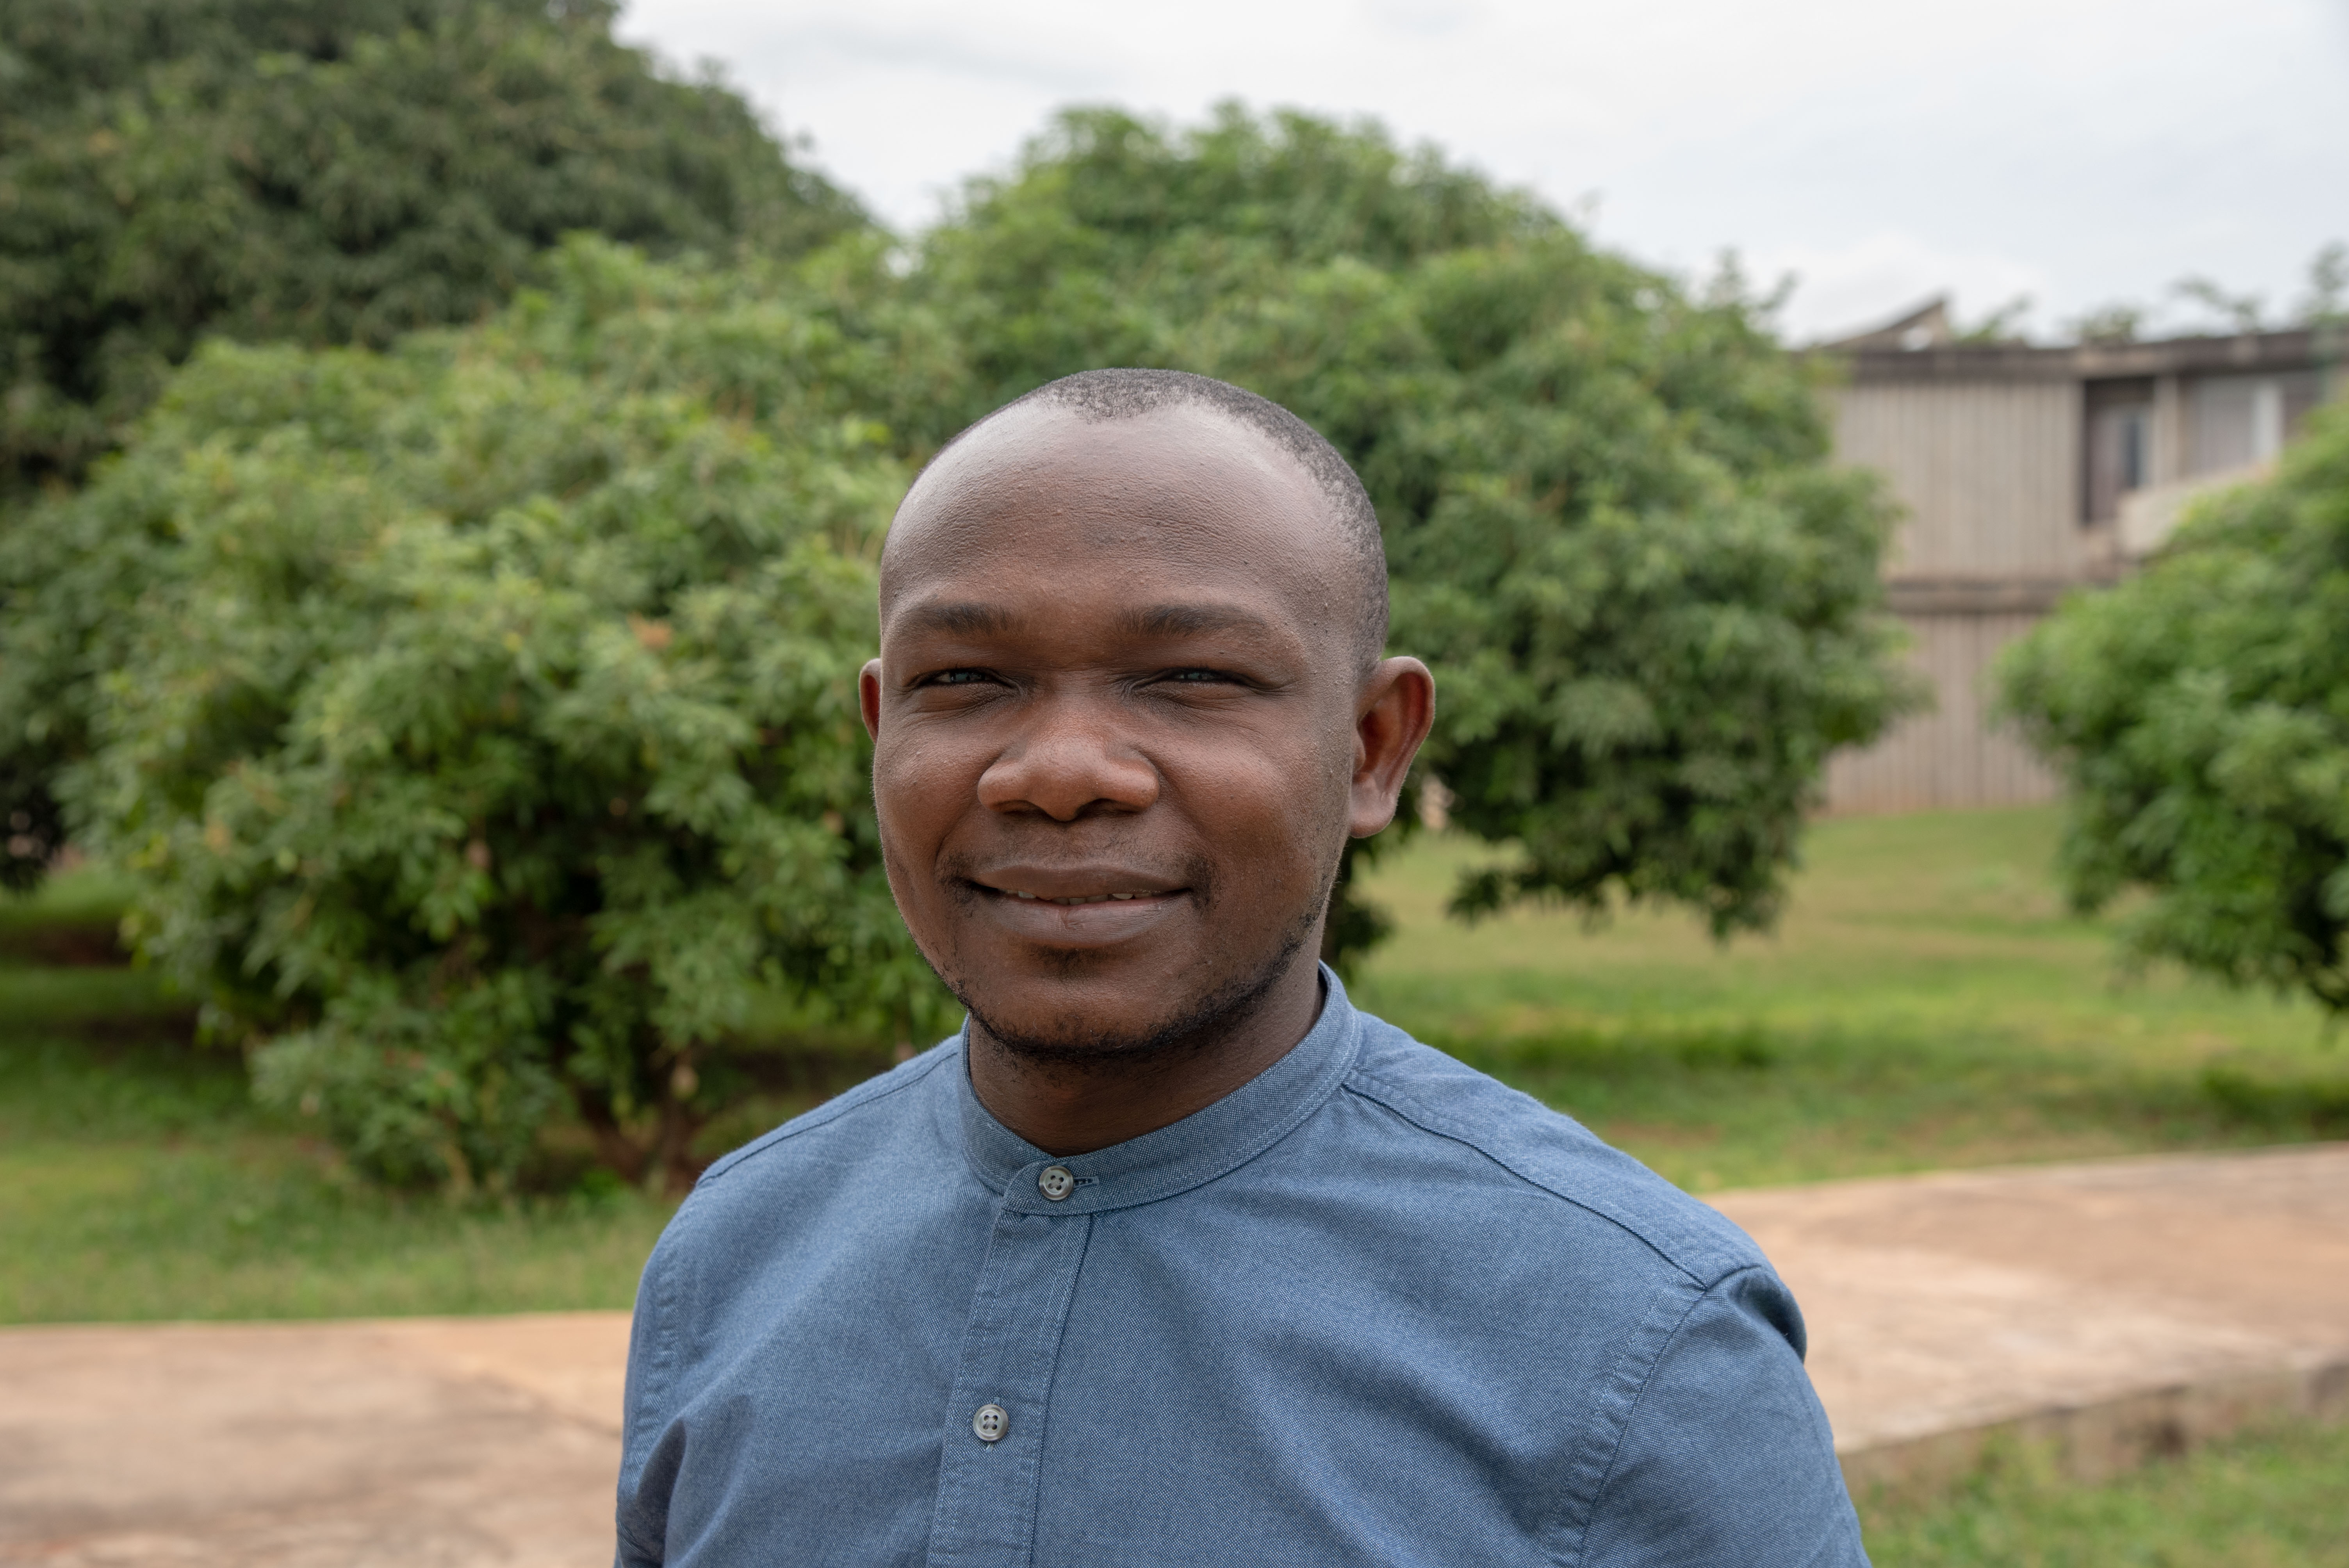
{"x":1179,"y":501}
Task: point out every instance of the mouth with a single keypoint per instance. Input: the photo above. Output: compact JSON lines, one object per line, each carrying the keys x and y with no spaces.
{"x":1074,"y":899}
{"x":1074,"y":909}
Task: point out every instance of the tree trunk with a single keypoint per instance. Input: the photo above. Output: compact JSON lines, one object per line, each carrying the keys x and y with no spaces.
{"x":614,"y":1146}
{"x":667,"y":1152}
{"x":672,"y":1151}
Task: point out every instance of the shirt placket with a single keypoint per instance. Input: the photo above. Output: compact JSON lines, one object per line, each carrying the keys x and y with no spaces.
{"x":990,"y":1472}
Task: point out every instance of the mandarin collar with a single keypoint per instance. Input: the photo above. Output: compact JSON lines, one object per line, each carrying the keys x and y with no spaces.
{"x":1204,"y":1145}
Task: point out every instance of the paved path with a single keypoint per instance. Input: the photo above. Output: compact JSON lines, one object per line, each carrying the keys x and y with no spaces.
{"x":420,"y":1443}
{"x":2120,"y":1309}
{"x":2116,"y":1309}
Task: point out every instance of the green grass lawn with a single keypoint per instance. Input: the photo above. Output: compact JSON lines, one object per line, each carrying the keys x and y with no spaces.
{"x":2278,"y":1499}
{"x":138,"y":1181}
{"x":1926,"y":1001}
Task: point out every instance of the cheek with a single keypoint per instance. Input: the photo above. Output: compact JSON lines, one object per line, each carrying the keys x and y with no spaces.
{"x":918,"y":788}
{"x":1275,"y":815}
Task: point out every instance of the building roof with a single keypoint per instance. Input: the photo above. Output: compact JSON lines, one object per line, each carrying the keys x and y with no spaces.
{"x":1920,"y":346}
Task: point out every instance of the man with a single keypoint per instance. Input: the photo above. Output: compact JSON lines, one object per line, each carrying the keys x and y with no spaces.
{"x":1171,"y":1256}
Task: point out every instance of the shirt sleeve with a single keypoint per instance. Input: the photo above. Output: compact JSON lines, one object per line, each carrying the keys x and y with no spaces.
{"x":1727,"y":1458}
{"x":648,"y":1455}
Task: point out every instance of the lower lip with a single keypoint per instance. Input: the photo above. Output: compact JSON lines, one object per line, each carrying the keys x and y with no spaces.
{"x":1103,"y":924}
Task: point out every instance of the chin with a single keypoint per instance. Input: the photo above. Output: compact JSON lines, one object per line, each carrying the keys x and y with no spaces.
{"x":1050,"y":1020}
{"x":1087,"y":1012}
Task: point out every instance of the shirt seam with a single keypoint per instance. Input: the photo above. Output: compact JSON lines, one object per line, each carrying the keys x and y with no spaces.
{"x":1400,"y":1103}
{"x":644,"y":1422}
{"x":652,"y":1317}
{"x":832,"y":1110}
{"x":1630,"y":1411}
{"x":959,"y":1393}
{"x":1068,"y":1295}
{"x":988,"y":1293}
{"x":1346,"y":1060}
{"x":1834,"y":1541}
{"x":1279,"y":1132}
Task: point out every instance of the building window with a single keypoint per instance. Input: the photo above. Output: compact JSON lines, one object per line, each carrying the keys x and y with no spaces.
{"x":2117,"y":454}
{"x":2238,"y":421}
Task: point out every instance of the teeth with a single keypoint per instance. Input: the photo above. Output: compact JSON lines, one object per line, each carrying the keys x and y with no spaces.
{"x":1082,"y":898}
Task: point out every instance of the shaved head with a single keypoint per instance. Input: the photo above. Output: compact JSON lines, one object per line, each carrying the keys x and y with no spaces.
{"x":1128,"y":708}
{"x":1105,"y":397}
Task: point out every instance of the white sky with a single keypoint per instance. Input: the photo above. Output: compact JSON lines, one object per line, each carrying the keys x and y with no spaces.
{"x":2076,"y":150}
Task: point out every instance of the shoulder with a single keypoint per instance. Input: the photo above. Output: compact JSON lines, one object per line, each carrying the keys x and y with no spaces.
{"x":819,"y":1181}
{"x":871,"y":1120}
{"x":1525,"y":1143}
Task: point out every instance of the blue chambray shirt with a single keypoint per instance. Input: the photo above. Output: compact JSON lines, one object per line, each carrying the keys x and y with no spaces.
{"x":1374,"y":1307}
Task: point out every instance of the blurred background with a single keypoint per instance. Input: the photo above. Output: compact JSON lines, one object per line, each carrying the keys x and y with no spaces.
{"x":1872,"y":483}
{"x":2070,"y":155}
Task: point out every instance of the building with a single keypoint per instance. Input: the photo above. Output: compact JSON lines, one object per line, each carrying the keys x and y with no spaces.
{"x":2027,"y":474}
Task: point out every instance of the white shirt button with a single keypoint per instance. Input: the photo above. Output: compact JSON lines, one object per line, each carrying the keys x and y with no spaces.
{"x":991,"y":1423}
{"x":1055,"y":1182}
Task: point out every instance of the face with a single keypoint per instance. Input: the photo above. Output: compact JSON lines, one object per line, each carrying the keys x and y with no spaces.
{"x":1121,"y":726}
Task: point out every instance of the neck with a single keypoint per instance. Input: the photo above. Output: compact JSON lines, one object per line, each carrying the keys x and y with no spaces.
{"x":1075,"y":1106}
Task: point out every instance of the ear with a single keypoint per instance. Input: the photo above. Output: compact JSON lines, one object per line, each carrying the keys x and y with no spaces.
{"x":1393,"y":715}
{"x":868,"y":697}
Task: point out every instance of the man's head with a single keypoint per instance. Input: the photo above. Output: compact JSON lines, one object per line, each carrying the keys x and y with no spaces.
{"x":1129,"y":706}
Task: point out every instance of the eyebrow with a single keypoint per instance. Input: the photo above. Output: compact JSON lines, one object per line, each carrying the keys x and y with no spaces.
{"x":979,"y":620}
{"x":1190,"y":620}
{"x":961,"y":620}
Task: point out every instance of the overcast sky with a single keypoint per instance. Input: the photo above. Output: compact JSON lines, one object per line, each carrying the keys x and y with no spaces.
{"x":1882,"y":150}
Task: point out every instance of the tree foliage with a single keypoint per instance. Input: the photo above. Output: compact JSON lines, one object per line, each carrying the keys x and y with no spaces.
{"x":2201,"y":305}
{"x":2199,"y":713}
{"x":1651,"y":609}
{"x":479,"y":718}
{"x":477,"y":713}
{"x":329,"y":171}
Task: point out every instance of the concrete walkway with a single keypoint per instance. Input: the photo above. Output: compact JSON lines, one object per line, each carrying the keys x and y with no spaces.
{"x":419,"y":1443}
{"x":2115,"y":1310}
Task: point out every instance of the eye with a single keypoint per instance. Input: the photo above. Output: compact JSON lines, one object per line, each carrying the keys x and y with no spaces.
{"x":958,"y":677}
{"x":1197,"y":678}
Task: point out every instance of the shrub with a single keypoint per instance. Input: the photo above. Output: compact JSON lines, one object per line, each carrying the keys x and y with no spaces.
{"x":329,"y":171}
{"x":2199,"y":713}
{"x":482,"y":733}
{"x":1651,"y":609}
{"x":476,"y":712}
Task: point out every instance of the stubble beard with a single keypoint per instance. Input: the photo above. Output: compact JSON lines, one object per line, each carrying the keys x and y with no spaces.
{"x":1070,"y":1043}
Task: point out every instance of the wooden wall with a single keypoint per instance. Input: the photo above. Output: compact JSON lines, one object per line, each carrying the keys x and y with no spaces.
{"x":1982,"y":445}
{"x":1990,"y":471}
{"x":1952,"y":755}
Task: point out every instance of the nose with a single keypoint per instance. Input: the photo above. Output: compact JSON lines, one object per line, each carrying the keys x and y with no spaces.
{"x":1069,"y":760}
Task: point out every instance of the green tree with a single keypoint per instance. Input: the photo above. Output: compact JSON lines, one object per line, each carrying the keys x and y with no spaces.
{"x":321,"y":170}
{"x":475,"y":712}
{"x":479,"y":717}
{"x":2200,"y":713}
{"x":2219,"y":309}
{"x":1652,"y":608}
{"x":328,"y":172}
